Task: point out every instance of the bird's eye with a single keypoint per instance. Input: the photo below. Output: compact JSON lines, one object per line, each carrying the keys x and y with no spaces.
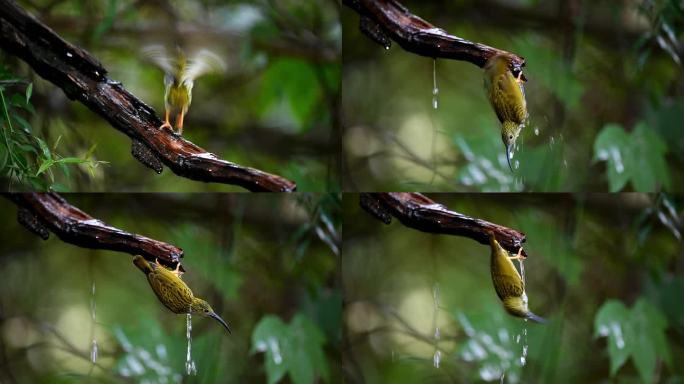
{"x":510,"y":137}
{"x":516,"y":72}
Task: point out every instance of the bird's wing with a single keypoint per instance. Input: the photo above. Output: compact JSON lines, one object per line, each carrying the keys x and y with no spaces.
{"x":157,"y":55}
{"x":170,"y":290}
{"x":201,"y":63}
{"x":511,"y":106}
{"x":507,"y":286}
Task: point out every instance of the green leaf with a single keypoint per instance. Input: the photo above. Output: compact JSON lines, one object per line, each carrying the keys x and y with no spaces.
{"x":610,"y":321}
{"x":649,"y":325}
{"x":47,"y":163}
{"x":293,"y":82}
{"x":612,"y":145}
{"x":29,"y":91}
{"x":44,"y":148}
{"x":25,"y":125}
{"x":70,"y":160}
{"x":639,"y":334}
{"x":648,"y":154}
{"x":296,"y":349}
{"x":269,"y":336}
{"x":638,"y":158}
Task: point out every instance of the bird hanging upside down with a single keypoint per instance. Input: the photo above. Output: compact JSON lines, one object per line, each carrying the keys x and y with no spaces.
{"x":180,"y":73}
{"x":506,"y":94}
{"x":508,"y":284}
{"x":173,"y":292}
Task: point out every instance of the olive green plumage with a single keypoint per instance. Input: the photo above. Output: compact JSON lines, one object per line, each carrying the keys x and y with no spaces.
{"x":507,"y":96}
{"x":508,"y":284}
{"x":173,"y":292}
{"x":180,"y":73}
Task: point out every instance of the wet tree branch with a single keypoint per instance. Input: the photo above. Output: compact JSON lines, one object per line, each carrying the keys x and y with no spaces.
{"x":416,"y":211}
{"x":386,"y":20}
{"x":40,"y":212}
{"x":83,"y":78}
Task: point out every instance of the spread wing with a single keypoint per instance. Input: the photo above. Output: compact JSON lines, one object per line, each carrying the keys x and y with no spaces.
{"x":170,"y":290}
{"x":203,"y":62}
{"x":157,"y":55}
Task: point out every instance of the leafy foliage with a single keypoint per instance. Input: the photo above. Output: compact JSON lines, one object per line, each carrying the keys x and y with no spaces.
{"x":638,"y":333}
{"x":295,"y":348}
{"x":24,"y":156}
{"x":638,"y":158}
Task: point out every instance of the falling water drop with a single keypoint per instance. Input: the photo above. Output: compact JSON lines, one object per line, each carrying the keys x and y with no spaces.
{"x":93,"y":352}
{"x":437,"y":358}
{"x":521,"y":263}
{"x":503,"y":375}
{"x":536,"y":131}
{"x":435,"y":89}
{"x":93,"y":347}
{"x":190,"y":367}
{"x":517,"y":164}
{"x":523,"y":356}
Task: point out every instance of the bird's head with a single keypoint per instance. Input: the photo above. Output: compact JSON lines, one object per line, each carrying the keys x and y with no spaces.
{"x":201,"y":307}
{"x":509,"y":134}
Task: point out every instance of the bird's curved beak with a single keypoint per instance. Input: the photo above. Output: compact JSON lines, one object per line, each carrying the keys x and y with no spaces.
{"x":509,"y":148}
{"x":220,"y":320}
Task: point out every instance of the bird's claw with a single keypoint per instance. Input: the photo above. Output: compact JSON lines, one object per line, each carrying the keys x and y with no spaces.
{"x":166,"y":125}
{"x":177,"y":271}
{"x":519,"y":255}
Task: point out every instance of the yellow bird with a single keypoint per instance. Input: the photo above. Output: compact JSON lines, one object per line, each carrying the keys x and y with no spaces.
{"x":508,"y":284}
{"x":180,"y":73}
{"x":506,"y":94}
{"x":173,"y":292}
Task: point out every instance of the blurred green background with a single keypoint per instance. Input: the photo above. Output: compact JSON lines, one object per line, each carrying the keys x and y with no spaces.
{"x":605,"y":270}
{"x":605,"y":98}
{"x":275,"y":109}
{"x":266,"y":263}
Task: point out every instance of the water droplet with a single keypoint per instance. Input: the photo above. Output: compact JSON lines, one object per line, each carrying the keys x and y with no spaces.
{"x":387,"y":47}
{"x":536,"y":131}
{"x":69,"y":54}
{"x":435,"y":89}
{"x":517,"y":164}
{"x":437,"y":358}
{"x":190,"y":367}
{"x":523,"y":358}
{"x":93,"y":352}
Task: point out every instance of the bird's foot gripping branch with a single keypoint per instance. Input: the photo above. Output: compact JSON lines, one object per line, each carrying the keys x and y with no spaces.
{"x":83,"y":78}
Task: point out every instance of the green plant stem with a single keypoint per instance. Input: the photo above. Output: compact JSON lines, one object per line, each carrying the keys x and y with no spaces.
{"x":9,"y":124}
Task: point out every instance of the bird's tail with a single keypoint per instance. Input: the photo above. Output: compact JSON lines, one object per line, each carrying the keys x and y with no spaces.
{"x":535,"y":318}
{"x":142,"y":264}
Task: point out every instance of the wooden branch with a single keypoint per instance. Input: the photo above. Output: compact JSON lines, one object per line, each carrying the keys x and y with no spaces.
{"x":416,"y":211}
{"x":83,"y":78}
{"x":386,"y":20}
{"x":40,"y":212}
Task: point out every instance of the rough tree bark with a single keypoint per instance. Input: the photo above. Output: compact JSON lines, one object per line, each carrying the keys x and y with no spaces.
{"x":83,"y":78}
{"x":416,"y":211}
{"x":386,"y":20}
{"x":40,"y":212}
